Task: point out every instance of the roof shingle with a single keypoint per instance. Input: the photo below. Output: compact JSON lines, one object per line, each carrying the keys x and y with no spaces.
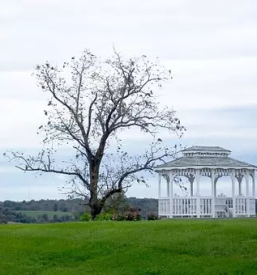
{"x":206,"y":156}
{"x":193,"y":161}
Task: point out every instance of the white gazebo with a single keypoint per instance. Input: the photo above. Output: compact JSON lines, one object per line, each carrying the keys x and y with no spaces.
{"x":213,"y":162}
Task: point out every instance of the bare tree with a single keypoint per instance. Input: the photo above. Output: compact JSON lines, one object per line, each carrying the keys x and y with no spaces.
{"x":87,"y":112}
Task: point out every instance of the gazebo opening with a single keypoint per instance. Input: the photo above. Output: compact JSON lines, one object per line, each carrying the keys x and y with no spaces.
{"x":204,"y":186}
{"x":181,"y":190}
{"x":215,"y":185}
{"x":224,"y":187}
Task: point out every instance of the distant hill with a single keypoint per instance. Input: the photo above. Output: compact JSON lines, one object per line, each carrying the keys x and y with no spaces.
{"x":60,"y":210}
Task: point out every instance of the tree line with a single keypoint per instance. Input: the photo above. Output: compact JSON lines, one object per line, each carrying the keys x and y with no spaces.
{"x":68,"y":210}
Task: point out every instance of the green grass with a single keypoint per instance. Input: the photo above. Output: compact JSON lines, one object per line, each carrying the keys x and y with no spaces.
{"x":50,"y":214}
{"x":136,"y":248}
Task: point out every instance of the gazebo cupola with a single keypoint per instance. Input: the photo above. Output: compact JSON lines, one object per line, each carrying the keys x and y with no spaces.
{"x":205,"y":151}
{"x":213,"y":162}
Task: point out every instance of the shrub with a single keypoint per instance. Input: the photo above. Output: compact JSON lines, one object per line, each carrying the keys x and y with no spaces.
{"x":131,"y":215}
{"x":104,"y":217}
{"x":138,"y":217}
{"x":119,"y":217}
{"x":2,"y":219}
{"x":152,"y":216}
{"x":85,"y":217}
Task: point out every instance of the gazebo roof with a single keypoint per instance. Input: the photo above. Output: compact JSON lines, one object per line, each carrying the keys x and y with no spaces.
{"x":206,"y":149}
{"x":205,"y":157}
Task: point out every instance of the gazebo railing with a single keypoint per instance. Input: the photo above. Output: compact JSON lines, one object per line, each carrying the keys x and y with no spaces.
{"x":184,"y":206}
{"x":225,"y":204}
{"x":164,"y":207}
{"x":187,"y":206}
{"x":206,"y":206}
{"x":252,"y":207}
{"x":241,"y":206}
{"x":223,"y":207}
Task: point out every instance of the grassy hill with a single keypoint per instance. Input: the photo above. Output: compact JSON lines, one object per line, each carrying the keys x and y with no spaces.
{"x":117,"y":248}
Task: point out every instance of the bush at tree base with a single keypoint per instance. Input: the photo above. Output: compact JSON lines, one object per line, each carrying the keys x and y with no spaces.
{"x":85,"y":217}
{"x":104,"y":217}
{"x":152,"y":217}
{"x":133,"y":214}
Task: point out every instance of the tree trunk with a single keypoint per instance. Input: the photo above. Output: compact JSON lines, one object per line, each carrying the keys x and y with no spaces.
{"x":94,"y":203}
{"x":95,"y":210}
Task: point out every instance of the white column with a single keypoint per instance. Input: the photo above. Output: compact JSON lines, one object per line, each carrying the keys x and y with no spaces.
{"x":159,"y":192}
{"x":233,"y":178}
{"x":168,"y":186}
{"x":171,"y":176}
{"x":215,"y":187}
{"x":192,"y":187}
{"x":159,"y":185}
{"x":213,"y":192}
{"x":253,"y":185}
{"x":240,"y":187}
{"x":197,"y":177}
{"x":247,"y":194}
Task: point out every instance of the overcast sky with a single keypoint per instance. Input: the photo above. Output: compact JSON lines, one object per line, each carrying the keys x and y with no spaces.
{"x":210,"y":47}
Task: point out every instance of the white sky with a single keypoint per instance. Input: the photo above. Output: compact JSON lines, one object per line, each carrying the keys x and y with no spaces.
{"x":210,"y":46}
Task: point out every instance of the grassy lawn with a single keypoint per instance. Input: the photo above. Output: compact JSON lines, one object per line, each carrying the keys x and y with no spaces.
{"x":50,"y":214}
{"x":155,"y":247}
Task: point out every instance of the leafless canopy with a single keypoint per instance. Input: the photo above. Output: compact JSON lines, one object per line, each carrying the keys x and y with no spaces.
{"x":90,"y":103}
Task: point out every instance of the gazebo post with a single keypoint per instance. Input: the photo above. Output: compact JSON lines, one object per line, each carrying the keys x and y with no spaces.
{"x":171,"y":176}
{"x":247,"y":194}
{"x":213,"y":192}
{"x":233,"y":193}
{"x":191,"y":179}
{"x":197,"y":177}
{"x":253,"y":184}
{"x":168,"y":187}
{"x":215,"y":187}
{"x":192,"y":187}
{"x":159,"y":184}
{"x":240,"y":187}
